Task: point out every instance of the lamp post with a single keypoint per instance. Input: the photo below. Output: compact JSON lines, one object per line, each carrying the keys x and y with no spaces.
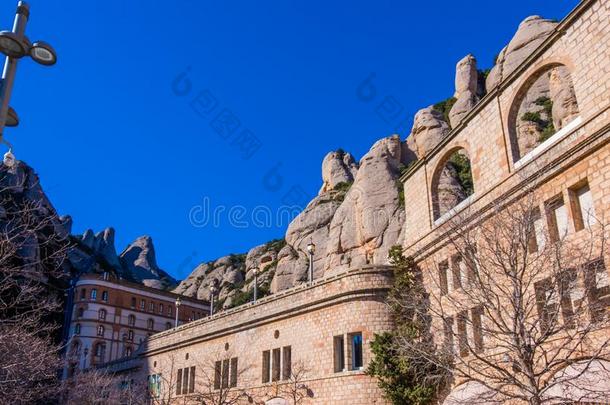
{"x":255,"y":273}
{"x":213,"y":291}
{"x":311,"y":249}
{"x":178,"y":303}
{"x":15,"y":45}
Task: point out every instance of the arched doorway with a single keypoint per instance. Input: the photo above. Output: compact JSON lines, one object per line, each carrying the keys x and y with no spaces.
{"x":276,"y":401}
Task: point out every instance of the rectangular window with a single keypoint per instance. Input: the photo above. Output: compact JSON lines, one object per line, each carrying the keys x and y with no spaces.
{"x":597,"y":285}
{"x":557,"y":216}
{"x":456,"y":272}
{"x":225,"y":373}
{"x":356,"y":350}
{"x":286,"y":362}
{"x":275,"y":365}
{"x":582,"y":207}
{"x":569,"y":296}
{"x":448,"y":332}
{"x":151,"y":307}
{"x":339,"y":360}
{"x":192,"y":380}
{"x":233,"y":379}
{"x":536,"y":237}
{"x":462,"y":331}
{"x":142,"y":305}
{"x":442,"y":275}
{"x":185,"y":381}
{"x":547,"y":303}
{"x":477,"y":328}
{"x":93,"y":294}
{"x":169,"y":310}
{"x":179,"y":382}
{"x":161,"y":309}
{"x":217,"y":374}
{"x":266,"y":364}
{"x":133,"y":302}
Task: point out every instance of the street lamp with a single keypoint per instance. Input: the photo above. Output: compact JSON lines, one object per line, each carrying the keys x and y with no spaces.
{"x":15,"y":45}
{"x":311,"y":249}
{"x":178,"y":303}
{"x":213,"y":291}
{"x":255,"y":274}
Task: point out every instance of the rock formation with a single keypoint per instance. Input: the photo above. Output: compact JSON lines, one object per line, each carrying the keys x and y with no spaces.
{"x":139,"y":261}
{"x":561,"y":92}
{"x":429,"y":127}
{"x":466,"y":89}
{"x":338,"y":167}
{"x":531,"y":33}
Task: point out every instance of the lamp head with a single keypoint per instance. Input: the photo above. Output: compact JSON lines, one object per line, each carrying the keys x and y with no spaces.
{"x":178,"y":302}
{"x":43,"y":53}
{"x":311,"y":247}
{"x":255,"y":271}
{"x":12,"y":45}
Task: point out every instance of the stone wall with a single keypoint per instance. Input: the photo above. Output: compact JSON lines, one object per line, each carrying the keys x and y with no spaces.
{"x":306,"y":318}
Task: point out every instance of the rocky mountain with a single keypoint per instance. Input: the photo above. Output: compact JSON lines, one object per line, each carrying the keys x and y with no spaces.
{"x":23,"y":203}
{"x":359,"y":212}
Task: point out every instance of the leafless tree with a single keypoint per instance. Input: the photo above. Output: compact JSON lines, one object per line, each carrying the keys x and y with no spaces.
{"x":99,"y":387}
{"x":514,"y":303}
{"x":32,"y":251}
{"x":221,"y":380}
{"x":295,"y":387}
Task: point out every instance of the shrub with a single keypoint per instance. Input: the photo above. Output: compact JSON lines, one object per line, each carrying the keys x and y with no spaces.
{"x":461,"y":164}
{"x":444,"y":107}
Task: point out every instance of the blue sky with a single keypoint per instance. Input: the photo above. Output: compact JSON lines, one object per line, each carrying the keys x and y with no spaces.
{"x":118,"y":141}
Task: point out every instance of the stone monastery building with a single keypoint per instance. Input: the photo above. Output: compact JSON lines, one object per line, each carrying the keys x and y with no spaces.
{"x":538,"y":136}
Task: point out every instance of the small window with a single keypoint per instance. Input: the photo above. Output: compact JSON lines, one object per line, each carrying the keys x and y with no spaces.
{"x":339,"y":358}
{"x":133,"y":302}
{"x":457,"y":273}
{"x":143,"y":305}
{"x":151,"y":307}
{"x":185,"y":381}
{"x":597,"y":284}
{"x":100,"y":330}
{"x":169,"y":310}
{"x":462,"y":331}
{"x":233,"y":379}
{"x":448,"y":332}
{"x":80,"y":312}
{"x":105,"y":296}
{"x":266,"y":366}
{"x":161,"y":308}
{"x":582,"y":207}
{"x":477,"y":328}
{"x":93,"y":295}
{"x":217,"y":374}
{"x":356,"y":343}
{"x":77,"y":329}
{"x":536,"y":237}
{"x":131,"y":320}
{"x":225,"y":373}
{"x":101,"y":314}
{"x":100,"y":351}
{"x":130,"y":335}
{"x":150,"y":324}
{"x":443,"y":268}
{"x":83,"y":293}
{"x":192,"y":380}
{"x":128,"y":351}
{"x":286,"y":362}
{"x":557,"y":215}
{"x":275,"y":365}
{"x":179,"y":382}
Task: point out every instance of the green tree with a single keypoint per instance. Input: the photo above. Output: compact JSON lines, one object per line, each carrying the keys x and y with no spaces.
{"x":407,"y":377}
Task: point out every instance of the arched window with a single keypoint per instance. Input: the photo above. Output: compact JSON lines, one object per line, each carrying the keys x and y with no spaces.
{"x":105,"y":296}
{"x":131,"y":320}
{"x":80,"y":312}
{"x":150,"y":324}
{"x":168,"y":325}
{"x":130,"y":335}
{"x":77,"y":329}
{"x":452,"y":182}
{"x":100,"y":330}
{"x":545,"y":104}
{"x":101,"y":314}
{"x":83,"y":293}
{"x":93,"y":295}
{"x":99,"y":351}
